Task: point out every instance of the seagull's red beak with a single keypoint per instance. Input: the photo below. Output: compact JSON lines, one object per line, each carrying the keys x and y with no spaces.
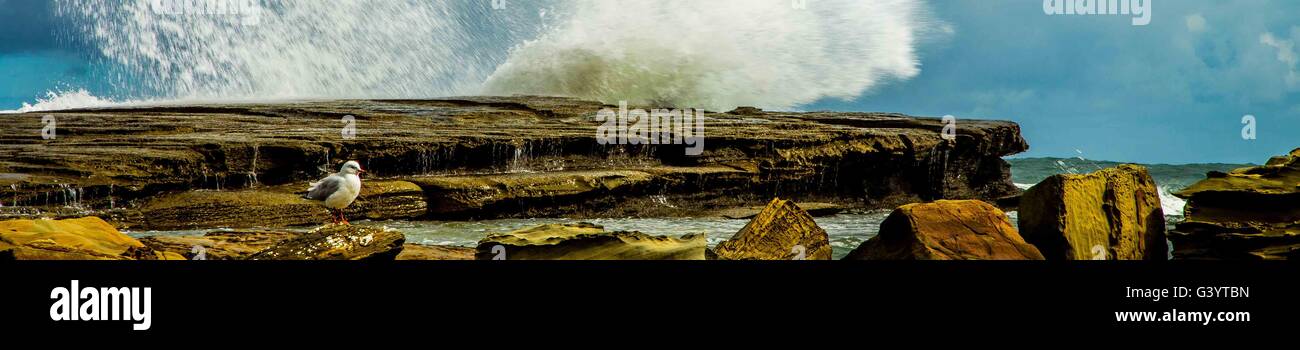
{"x":361,"y":171}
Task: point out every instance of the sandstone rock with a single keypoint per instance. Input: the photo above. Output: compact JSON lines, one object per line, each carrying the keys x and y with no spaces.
{"x":47,"y":251}
{"x":270,"y":207}
{"x":88,"y":238}
{"x":390,"y":200}
{"x":231,"y":209}
{"x":782,"y":231}
{"x":220,"y":245}
{"x":872,"y":160}
{"x":946,"y":230}
{"x":1249,"y":213}
{"x":814,"y":209}
{"x":586,"y":241}
{"x":631,"y":192}
{"x":467,"y":195}
{"x":432,"y":252}
{"x":337,"y":242}
{"x":1112,"y":214}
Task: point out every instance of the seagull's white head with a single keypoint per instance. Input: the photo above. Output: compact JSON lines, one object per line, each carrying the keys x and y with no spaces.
{"x":352,"y":167}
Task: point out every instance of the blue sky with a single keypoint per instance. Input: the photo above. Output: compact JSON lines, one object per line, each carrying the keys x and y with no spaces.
{"x":1170,"y":92}
{"x":1174,"y":91}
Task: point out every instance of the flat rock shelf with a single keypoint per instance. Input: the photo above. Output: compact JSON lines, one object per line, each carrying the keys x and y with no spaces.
{"x":474,"y":158}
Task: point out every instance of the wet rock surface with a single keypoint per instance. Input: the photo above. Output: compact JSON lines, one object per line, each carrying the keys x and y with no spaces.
{"x":585,"y":241}
{"x":946,"y":230}
{"x":337,"y":242}
{"x":1111,"y":214}
{"x":225,"y":245}
{"x":782,"y":231}
{"x":243,"y":245}
{"x":813,"y":209}
{"x":205,"y":166}
{"x":238,"y":208}
{"x":72,"y":239}
{"x":435,"y":253}
{"x":1248,"y":214}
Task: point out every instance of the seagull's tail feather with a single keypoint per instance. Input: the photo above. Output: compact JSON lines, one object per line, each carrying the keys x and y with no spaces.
{"x":307,"y":195}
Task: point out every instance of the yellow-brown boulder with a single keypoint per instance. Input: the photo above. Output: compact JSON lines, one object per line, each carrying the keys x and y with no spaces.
{"x":946,"y":230}
{"x":1112,"y":214}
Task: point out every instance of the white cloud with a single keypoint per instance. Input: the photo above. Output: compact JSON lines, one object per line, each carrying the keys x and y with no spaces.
{"x":1285,"y":53}
{"x":1195,"y":23}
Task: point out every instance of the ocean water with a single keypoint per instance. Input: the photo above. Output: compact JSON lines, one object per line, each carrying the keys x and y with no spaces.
{"x":846,"y":231}
{"x":1170,"y":178}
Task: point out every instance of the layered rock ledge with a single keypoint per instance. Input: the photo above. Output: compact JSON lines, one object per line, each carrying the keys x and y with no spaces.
{"x":1250,"y":213}
{"x":179,"y":167}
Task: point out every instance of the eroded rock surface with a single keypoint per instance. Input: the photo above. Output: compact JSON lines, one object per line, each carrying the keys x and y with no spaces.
{"x":1249,"y":213}
{"x":337,"y":242}
{"x":241,"y":245}
{"x":782,"y":231}
{"x":475,"y":157}
{"x":435,"y":253}
{"x":585,"y":241}
{"x":1111,"y":214}
{"x":223,"y":245}
{"x":946,"y":230}
{"x":89,"y":238}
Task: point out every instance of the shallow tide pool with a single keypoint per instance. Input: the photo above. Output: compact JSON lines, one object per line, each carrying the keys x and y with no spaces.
{"x":846,"y":231}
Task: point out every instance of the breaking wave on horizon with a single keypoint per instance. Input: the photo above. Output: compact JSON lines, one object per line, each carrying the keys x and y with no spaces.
{"x":718,"y":54}
{"x":715,"y":54}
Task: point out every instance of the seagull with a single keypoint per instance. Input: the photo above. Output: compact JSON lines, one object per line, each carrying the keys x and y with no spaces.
{"x":338,"y":191}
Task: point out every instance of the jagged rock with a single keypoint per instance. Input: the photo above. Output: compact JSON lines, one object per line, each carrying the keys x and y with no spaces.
{"x":220,"y":245}
{"x":1112,"y":214}
{"x":869,"y":160}
{"x":585,"y":241}
{"x":1249,"y":213}
{"x":782,"y":231}
{"x":88,"y":238}
{"x":946,"y":230}
{"x":433,"y":252}
{"x":337,"y":242}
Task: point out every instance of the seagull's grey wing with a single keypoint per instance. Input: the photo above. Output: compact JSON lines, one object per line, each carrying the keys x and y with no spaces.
{"x":323,"y":189}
